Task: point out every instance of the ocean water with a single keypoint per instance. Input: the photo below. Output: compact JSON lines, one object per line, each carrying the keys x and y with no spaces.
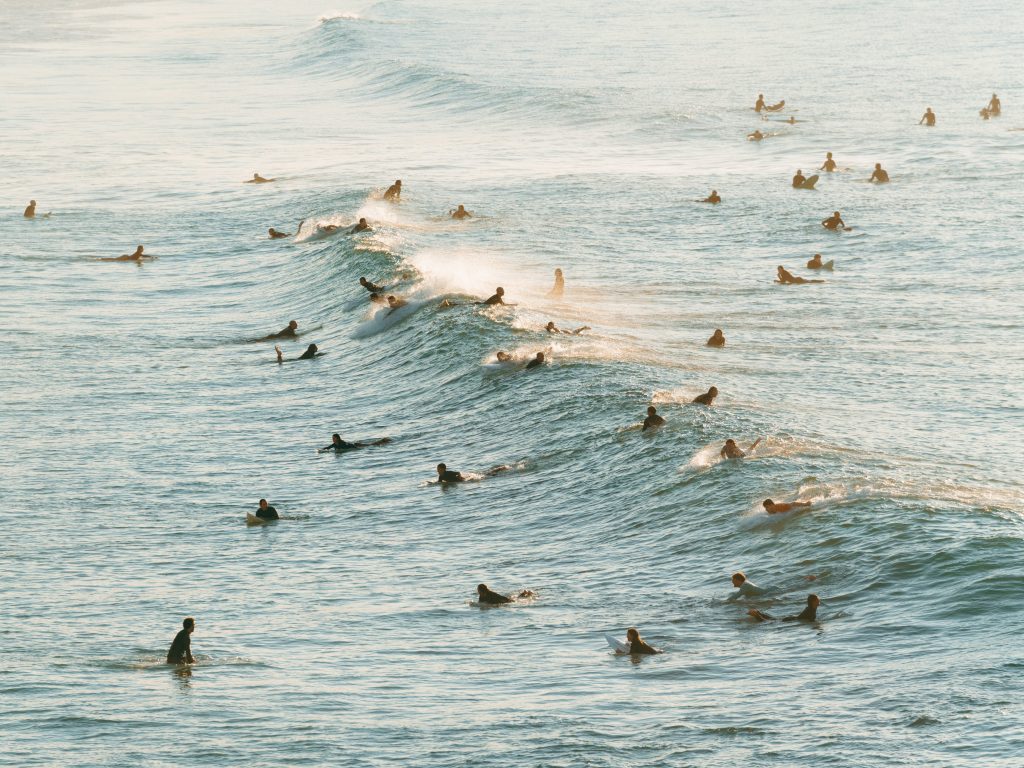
{"x":140,"y":422}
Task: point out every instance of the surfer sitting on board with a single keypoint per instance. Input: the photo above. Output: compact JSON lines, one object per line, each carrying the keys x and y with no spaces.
{"x":460,"y":213}
{"x":788,"y":278}
{"x":879,"y":174}
{"x":180,"y":651}
{"x":717,"y":339}
{"x":707,"y":398}
{"x":360,"y":226}
{"x":829,"y":165}
{"x":810,"y":613}
{"x":773,"y":508}
{"x":713,"y":198}
{"x":267,"y":512}
{"x":552,"y":328}
{"x":834,"y":223}
{"x":285,"y":333}
{"x":799,"y":179}
{"x":637,"y":645}
{"x":744,"y":587}
{"x":394,"y":192}
{"x":732,"y":451}
{"x":653,"y":419}
{"x":30,"y":211}
{"x":816,"y":263}
{"x":371,"y":287}
{"x":487,"y":596}
{"x":337,"y":444}
{"x":275,"y":235}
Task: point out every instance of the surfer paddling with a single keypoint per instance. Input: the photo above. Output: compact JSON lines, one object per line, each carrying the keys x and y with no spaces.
{"x":487,"y":596}
{"x":788,"y":278}
{"x":461,"y":213}
{"x":497,"y":298}
{"x":808,"y":614}
{"x":275,"y":235}
{"x":266,"y":512}
{"x":732,"y":451}
{"x":360,"y":226}
{"x":653,"y":420}
{"x":744,"y":587}
{"x":180,"y":651}
{"x":338,"y":445}
{"x":371,"y":287}
{"x":778,"y":508}
{"x":311,"y":351}
{"x":137,"y":256}
{"x":257,"y":179}
{"x":713,"y":198}
{"x":291,"y":332}
{"x":536,"y":362}
{"x":552,"y":328}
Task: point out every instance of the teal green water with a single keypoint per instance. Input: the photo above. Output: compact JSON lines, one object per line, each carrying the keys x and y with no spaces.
{"x":139,"y":424}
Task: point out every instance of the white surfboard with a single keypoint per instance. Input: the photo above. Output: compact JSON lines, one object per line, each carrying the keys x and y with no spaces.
{"x":619,"y":645}
{"x":251,"y":519}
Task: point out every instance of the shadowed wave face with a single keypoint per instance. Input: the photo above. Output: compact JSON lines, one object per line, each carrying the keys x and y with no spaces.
{"x":141,"y":422}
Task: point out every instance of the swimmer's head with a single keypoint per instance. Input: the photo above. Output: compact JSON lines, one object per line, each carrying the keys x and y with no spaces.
{"x":31,"y":202}
{"x":816,"y":257}
{"x":799,"y":172}
{"x":335,"y":438}
{"x":651,"y":410}
{"x":837,"y":214}
{"x":632,"y":634}
{"x":138,"y":249}
{"x":730,"y":441}
{"x":813,"y":601}
{"x":442,"y":468}
{"x":717,"y":333}
{"x":481,"y":589}
{"x":738,"y":578}
{"x":311,"y":349}
{"x":189,"y":624}
{"x":558,"y":272}
{"x":362,"y":281}
{"x":878,"y":166}
{"x":293,"y":324}
{"x":398,"y":182}
{"x":263,"y":503}
{"x":462,"y":207}
{"x":550,"y":326}
{"x":271,"y":231}
{"x":828,"y":155}
{"x":362,"y":220}
{"x":713,"y":391}
{"x":714,"y":192}
{"x":500,"y":291}
{"x":504,"y":357}
{"x":540,"y":357}
{"x":767,"y":503}
{"x":255,"y":174}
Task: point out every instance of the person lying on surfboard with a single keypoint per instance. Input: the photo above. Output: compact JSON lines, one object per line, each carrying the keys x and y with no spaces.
{"x":637,"y":645}
{"x":309,"y":354}
{"x":497,"y":298}
{"x":487,"y":596}
{"x":360,"y":226}
{"x":744,"y":587}
{"x":816,"y":263}
{"x":755,"y":136}
{"x":732,"y":451}
{"x":879,"y":174}
{"x":137,"y":256}
{"x":829,"y":165}
{"x":396,"y":303}
{"x":808,"y":614}
{"x":371,"y":287}
{"x":552,"y":328}
{"x":536,"y":362}
{"x":712,"y":198}
{"x":834,"y":222}
{"x":653,"y":419}
{"x":275,"y":235}
{"x":788,"y":278}
{"x":257,"y":179}
{"x":445,"y":475}
{"x":504,"y":357}
{"x":290,"y":332}
{"x":717,"y":339}
{"x":773,"y":508}
{"x":339,"y":445}
{"x":266,"y":512}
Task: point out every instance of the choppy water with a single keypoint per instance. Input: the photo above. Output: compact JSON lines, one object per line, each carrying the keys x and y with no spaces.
{"x":139,"y":426}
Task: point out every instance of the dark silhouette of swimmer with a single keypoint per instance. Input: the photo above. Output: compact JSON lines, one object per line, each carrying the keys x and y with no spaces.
{"x":653,"y":419}
{"x":266,"y":512}
{"x":461,"y":213}
{"x":799,"y":179}
{"x":537,"y":361}
{"x":834,"y":222}
{"x":808,"y":614}
{"x":396,"y":303}
{"x":445,"y":475}
{"x":558,"y":289}
{"x":829,"y":165}
{"x":30,"y":210}
{"x":290,"y":332}
{"x":816,"y":263}
{"x":713,"y":198}
{"x":309,"y":354}
{"x":773,"y":508}
{"x":339,"y":445}
{"x":879,"y":174}
{"x":707,"y":398}
{"x":552,"y":328}
{"x":732,"y":451}
{"x":759,"y":105}
{"x":487,"y":596}
{"x":394,"y":192}
{"x":504,"y":357}
{"x":275,"y":235}
{"x":788,"y":278}
{"x":928,"y":117}
{"x":137,"y":256}
{"x":717,"y":339}
{"x":371,"y":287}
{"x":360,"y":226}
{"x":755,"y":136}
{"x":637,"y":645}
{"x":496,"y":298}
{"x":257,"y":179}
{"x":180,"y":651}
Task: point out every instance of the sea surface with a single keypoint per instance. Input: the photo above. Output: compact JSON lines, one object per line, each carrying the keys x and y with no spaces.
{"x":139,"y":422}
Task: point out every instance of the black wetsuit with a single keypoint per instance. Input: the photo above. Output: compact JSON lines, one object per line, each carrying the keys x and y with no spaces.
{"x":807,"y":614}
{"x":639,"y":646}
{"x":268,"y":514}
{"x":493,"y":598}
{"x":495,"y":299}
{"x":451,"y":476}
{"x":341,"y":446}
{"x":705,"y":399}
{"x":534,"y":363}
{"x":373,"y":288}
{"x":287,"y":333}
{"x":181,"y":648}
{"x":309,"y":354}
{"x":653,"y":421}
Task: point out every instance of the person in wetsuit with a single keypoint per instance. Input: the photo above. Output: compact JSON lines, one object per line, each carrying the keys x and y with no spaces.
{"x":829,"y":165}
{"x":637,"y":645}
{"x":537,"y":361}
{"x":744,"y":587}
{"x":394,"y":192}
{"x":653,"y":419}
{"x":834,"y":222}
{"x":266,"y":512}
{"x":180,"y":651}
{"x":275,"y":235}
{"x":558,"y":289}
{"x":732,"y":451}
{"x":309,"y":354}
{"x":360,"y":226}
{"x":497,"y":298}
{"x":808,"y":614}
{"x":713,"y":198}
{"x":707,"y":398}
{"x":928,"y":117}
{"x":799,"y":179}
{"x":445,"y":475}
{"x":461,"y":213}
{"x":879,"y":174}
{"x":773,"y":508}
{"x":290,"y":332}
{"x":339,"y":445}
{"x":371,"y":287}
{"x":717,"y":339}
{"x":487,"y":596}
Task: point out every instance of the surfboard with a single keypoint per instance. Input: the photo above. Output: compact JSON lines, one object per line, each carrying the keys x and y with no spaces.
{"x":251,"y":519}
{"x":618,"y":645}
{"x":809,"y":182}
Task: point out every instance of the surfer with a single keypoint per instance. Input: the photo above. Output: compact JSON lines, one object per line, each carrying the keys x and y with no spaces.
{"x":504,"y":357}
{"x":275,"y":235}
{"x":558,"y":289}
{"x":537,"y":361}
{"x":445,"y":475}
{"x":799,"y":179}
{"x":834,"y":223}
{"x":755,"y":136}
{"x":707,"y":398}
{"x":744,"y":587}
{"x":339,"y":445}
{"x":396,"y":303}
{"x":829,"y":165}
{"x":552,"y":328}
{"x":487,"y":596}
{"x":394,"y":192}
{"x":816,"y":263}
{"x":360,"y":226}
{"x":30,"y":210}
{"x":732,"y":451}
{"x":759,"y":105}
{"x":717,"y":339}
{"x":138,"y":256}
{"x":928,"y":118}
{"x":376,"y":298}
{"x":653,"y":419}
{"x":808,"y":614}
{"x":290,"y":332}
{"x":636,"y":645}
{"x":879,"y":174}
{"x":371,"y":287}
{"x":326,"y":228}
{"x":773,"y":508}
{"x":713,"y":198}
{"x":775,"y":107}
{"x":460,"y":213}
{"x":995,"y":107}
{"x":257,"y":179}
{"x":180,"y":651}
{"x":788,"y":278}
{"x":499,"y":292}
{"x":266,"y":512}
{"x":309,"y":354}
